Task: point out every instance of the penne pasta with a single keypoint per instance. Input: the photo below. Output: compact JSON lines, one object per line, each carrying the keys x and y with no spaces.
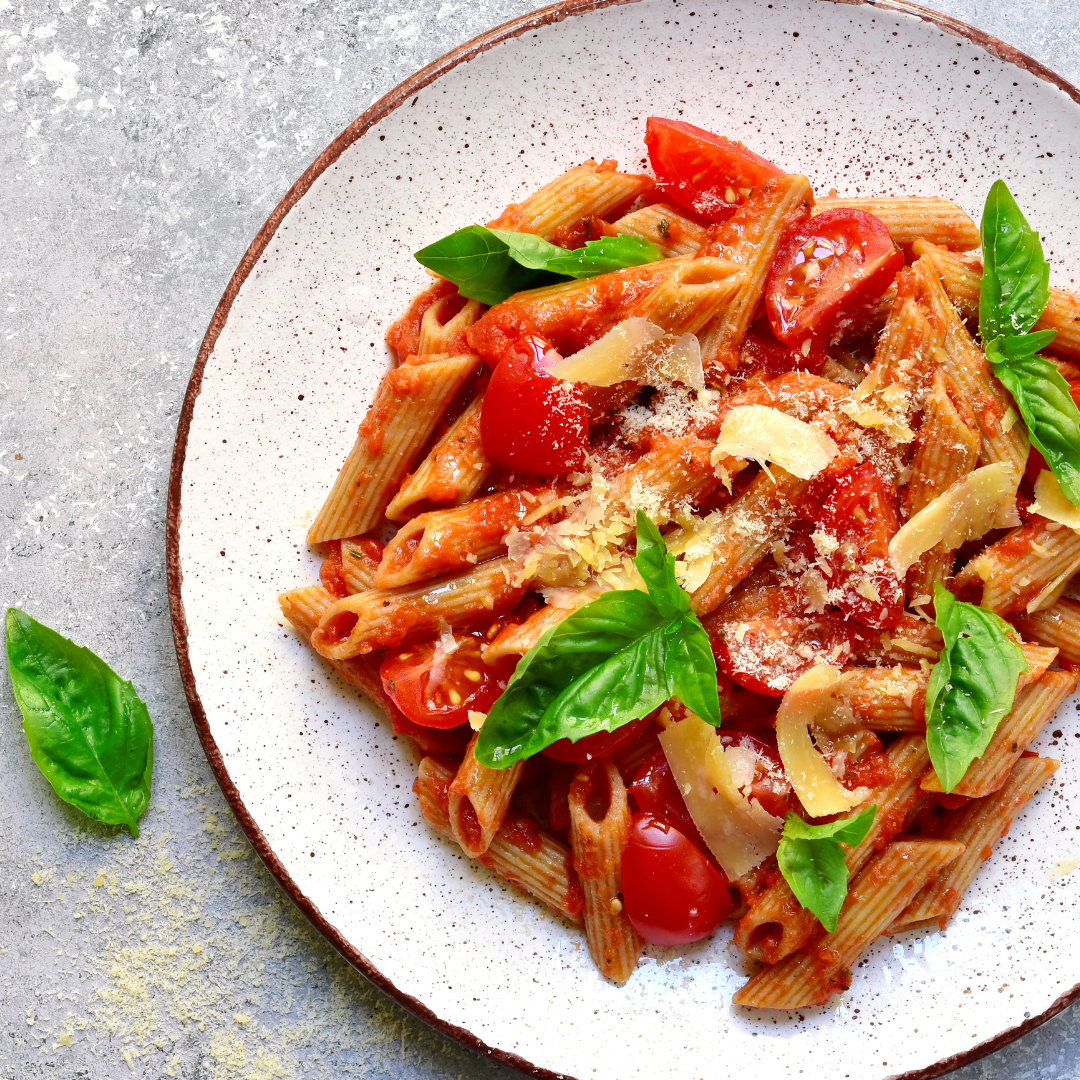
{"x":1057,"y":626}
{"x":478,"y":800}
{"x":359,"y":563}
{"x":692,"y":296}
{"x":409,"y":402}
{"x":599,"y":833}
{"x":672,"y":233}
{"x":443,"y":325}
{"x":912,"y":218}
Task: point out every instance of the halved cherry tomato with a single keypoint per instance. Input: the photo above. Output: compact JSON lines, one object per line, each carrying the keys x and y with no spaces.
{"x":702,"y":172}
{"x":532,"y":422}
{"x":824,"y":267}
{"x":763,"y":350}
{"x":770,"y":786}
{"x":431,"y":740}
{"x":465,"y":682}
{"x":860,"y":517}
{"x":655,"y":792}
{"x":601,"y":745}
{"x":671,"y":893}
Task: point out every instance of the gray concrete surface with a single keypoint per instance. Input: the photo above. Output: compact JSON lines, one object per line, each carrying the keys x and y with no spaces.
{"x":141,"y":147}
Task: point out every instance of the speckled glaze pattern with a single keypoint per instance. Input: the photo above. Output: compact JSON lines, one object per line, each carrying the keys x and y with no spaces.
{"x":863,"y":99}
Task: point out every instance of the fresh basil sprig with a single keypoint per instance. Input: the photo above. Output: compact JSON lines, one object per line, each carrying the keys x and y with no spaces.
{"x":971,"y":687}
{"x":88,"y":731}
{"x":812,"y":861}
{"x":490,"y":265}
{"x":610,"y":662}
{"x":1013,"y":294}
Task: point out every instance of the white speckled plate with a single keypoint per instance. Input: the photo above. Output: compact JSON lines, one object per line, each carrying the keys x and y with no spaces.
{"x":869,"y":99}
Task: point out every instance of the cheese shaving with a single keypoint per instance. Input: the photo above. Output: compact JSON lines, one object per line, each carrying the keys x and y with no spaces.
{"x":617,"y":356}
{"x":1050,"y":501}
{"x":767,"y":434}
{"x":814,"y":699}
{"x":736,"y":829}
{"x":969,"y":509}
{"x":476,"y":719}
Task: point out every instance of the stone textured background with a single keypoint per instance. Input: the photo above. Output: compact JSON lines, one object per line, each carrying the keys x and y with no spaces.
{"x":141,"y":147}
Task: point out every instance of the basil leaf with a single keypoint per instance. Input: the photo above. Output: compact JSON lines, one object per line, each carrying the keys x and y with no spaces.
{"x":1016,"y":278}
{"x":605,"y":255}
{"x":482,"y":265}
{"x":88,"y":731}
{"x":971,"y":687}
{"x":610,"y":662}
{"x":1044,"y":401}
{"x":490,"y":265}
{"x":812,"y":861}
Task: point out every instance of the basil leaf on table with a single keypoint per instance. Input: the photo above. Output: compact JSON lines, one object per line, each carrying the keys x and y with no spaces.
{"x":1016,"y":277}
{"x":1013,"y":294}
{"x":812,"y":861}
{"x":491,"y":265}
{"x":88,"y":731}
{"x":610,"y":662}
{"x":972,"y":686}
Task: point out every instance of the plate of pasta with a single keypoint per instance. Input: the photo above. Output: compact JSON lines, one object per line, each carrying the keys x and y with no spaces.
{"x":623,"y":534}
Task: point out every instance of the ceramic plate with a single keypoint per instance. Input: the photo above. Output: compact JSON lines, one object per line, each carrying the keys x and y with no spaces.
{"x":867,"y":99}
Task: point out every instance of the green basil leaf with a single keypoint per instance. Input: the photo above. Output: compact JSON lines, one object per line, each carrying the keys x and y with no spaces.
{"x":515,"y":727}
{"x":88,"y":731}
{"x":971,"y":687}
{"x":1016,"y":278}
{"x":610,"y":662}
{"x":528,"y":249}
{"x":1044,"y":401}
{"x":657,"y":569}
{"x":812,"y":861}
{"x":605,"y":255}
{"x":482,"y":265}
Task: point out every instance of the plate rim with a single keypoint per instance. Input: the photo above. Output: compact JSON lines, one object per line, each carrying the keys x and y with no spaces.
{"x":378,"y":111}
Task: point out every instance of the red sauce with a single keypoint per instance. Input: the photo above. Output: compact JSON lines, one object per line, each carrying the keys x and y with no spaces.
{"x":331,"y":572}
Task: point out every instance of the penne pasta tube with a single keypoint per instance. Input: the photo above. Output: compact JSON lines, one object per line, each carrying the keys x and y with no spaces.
{"x":962,"y":277}
{"x":1057,"y":626}
{"x":407,"y":406}
{"x":882,"y":889}
{"x":775,"y":924}
{"x":442,"y":541}
{"x":518,"y":640}
{"x":978,"y":825}
{"x":1025,"y":571}
{"x":912,"y":218}
{"x":750,"y":238}
{"x":359,"y":562}
{"x":588,"y":189}
{"x":451,"y":473}
{"x":692,"y":296}
{"x":745,"y":531}
{"x":479,"y":798}
{"x":599,"y":833}
{"x":1003,"y":438}
{"x":443,"y":325}
{"x":672,"y":233}
{"x":359,"y":624}
{"x":1034,"y":705}
{"x":521,"y":852}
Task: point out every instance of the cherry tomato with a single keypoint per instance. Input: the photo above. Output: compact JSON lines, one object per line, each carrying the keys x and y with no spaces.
{"x":764,"y":351}
{"x":702,"y":172}
{"x":860,"y":518}
{"x":431,"y":740}
{"x":671,"y":894}
{"x":532,"y":422}
{"x":823,"y":268}
{"x":465,"y":682}
{"x":770,"y":786}
{"x":601,"y":745}
{"x":655,"y":792}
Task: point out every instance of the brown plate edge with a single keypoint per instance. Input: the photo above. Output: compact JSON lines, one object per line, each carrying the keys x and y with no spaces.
{"x":377,"y":112}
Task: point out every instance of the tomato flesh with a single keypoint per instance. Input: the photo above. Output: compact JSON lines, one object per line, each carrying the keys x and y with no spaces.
{"x":602,"y":744}
{"x":823,"y":268}
{"x":860,"y":517}
{"x":444,"y":697}
{"x":671,"y":894}
{"x":702,"y":172}
{"x":530,"y":421}
{"x":770,"y":785}
{"x":655,"y":792}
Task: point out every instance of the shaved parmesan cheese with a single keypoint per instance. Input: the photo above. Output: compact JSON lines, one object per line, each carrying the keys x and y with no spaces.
{"x":615,"y":357}
{"x":766,"y":434}
{"x":970,"y":508}
{"x":1050,"y":501}
{"x":815,"y":699}
{"x":692,"y":546}
{"x":682,"y":362}
{"x":738,"y":832}
{"x":476,"y":719}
